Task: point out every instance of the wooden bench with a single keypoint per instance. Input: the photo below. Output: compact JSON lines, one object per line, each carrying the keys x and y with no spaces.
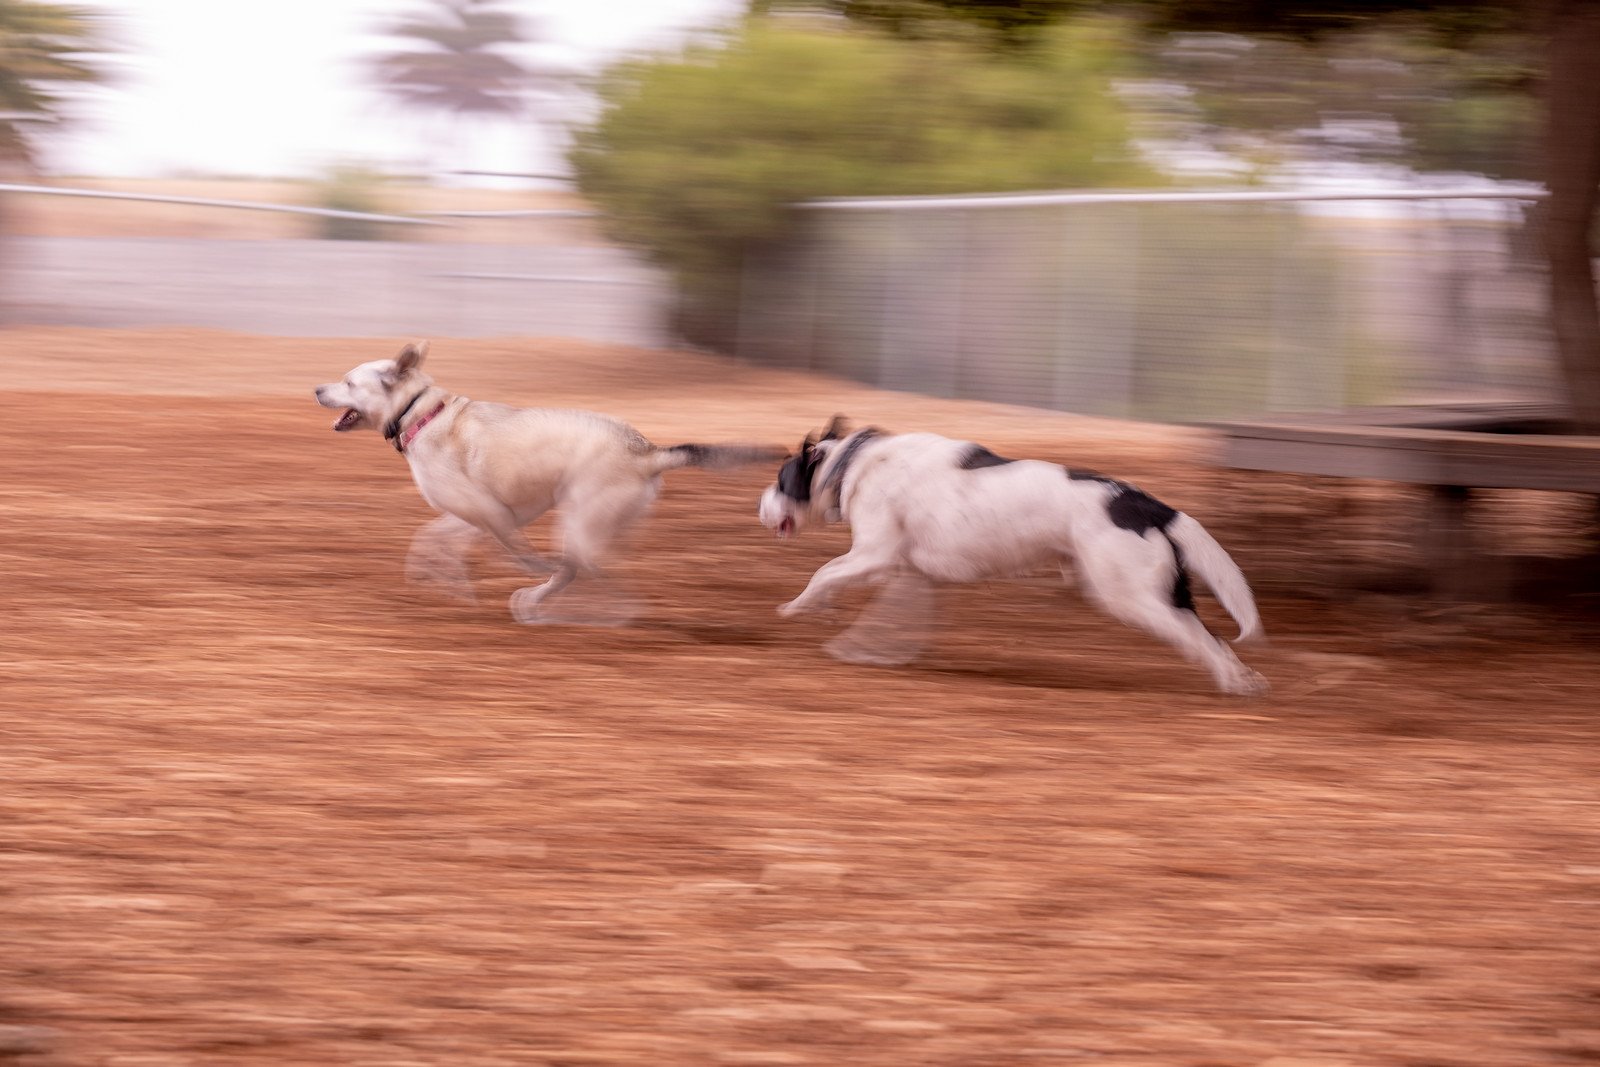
{"x":1452,"y":448}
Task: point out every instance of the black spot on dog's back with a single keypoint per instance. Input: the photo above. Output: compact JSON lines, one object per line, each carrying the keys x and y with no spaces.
{"x":1135,"y":510}
{"x":1129,"y":508}
{"x":978,"y":457}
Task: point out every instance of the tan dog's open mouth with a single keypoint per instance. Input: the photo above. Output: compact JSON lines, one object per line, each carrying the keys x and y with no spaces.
{"x":348,"y":421}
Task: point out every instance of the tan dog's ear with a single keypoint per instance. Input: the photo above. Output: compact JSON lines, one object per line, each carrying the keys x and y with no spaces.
{"x":839,"y":427}
{"x":411,"y":356}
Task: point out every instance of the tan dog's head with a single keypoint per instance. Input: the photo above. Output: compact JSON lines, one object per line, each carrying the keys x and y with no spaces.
{"x":375,"y":394}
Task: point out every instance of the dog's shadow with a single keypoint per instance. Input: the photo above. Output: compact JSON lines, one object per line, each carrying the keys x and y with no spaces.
{"x":731,"y":635}
{"x":1037,"y":673}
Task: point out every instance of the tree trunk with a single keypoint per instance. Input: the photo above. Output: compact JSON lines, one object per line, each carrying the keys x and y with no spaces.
{"x":1572,"y":175}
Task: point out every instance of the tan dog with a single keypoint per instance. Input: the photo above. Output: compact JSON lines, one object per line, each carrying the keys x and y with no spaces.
{"x":494,"y":469}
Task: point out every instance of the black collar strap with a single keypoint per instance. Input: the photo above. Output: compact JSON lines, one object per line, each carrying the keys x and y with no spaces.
{"x":391,"y":431}
{"x":841,"y":466}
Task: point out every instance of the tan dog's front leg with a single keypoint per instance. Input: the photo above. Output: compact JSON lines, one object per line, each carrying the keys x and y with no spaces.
{"x":438,"y":557}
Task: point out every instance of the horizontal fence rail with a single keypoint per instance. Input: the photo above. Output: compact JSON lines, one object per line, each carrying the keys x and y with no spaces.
{"x":986,"y":201}
{"x":200,"y":201}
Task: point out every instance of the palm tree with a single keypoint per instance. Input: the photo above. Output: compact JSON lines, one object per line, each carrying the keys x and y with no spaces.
{"x":43,"y":47}
{"x":455,"y":63}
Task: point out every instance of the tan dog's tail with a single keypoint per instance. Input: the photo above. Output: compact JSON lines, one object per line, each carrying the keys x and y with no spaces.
{"x":714,"y":457}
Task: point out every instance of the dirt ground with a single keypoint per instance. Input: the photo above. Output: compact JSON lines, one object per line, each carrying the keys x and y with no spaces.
{"x":265,"y":804}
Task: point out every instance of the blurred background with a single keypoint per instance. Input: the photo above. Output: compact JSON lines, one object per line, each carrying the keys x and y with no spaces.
{"x":1294,"y":207}
{"x":1317,"y":273}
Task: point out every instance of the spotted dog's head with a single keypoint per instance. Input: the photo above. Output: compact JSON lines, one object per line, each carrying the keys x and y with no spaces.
{"x":787,"y":505}
{"x":375,"y":394}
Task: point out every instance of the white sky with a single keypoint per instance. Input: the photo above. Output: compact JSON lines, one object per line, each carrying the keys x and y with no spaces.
{"x":270,"y":87}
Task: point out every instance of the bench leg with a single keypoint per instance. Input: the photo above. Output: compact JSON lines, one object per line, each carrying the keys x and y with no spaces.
{"x":1447,"y":542}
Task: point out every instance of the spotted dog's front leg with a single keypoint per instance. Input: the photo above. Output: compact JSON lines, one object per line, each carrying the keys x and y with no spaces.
{"x":846,"y":570}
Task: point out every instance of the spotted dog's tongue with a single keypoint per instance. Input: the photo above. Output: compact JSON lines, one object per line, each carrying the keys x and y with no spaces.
{"x":785,"y":526}
{"x":348,"y":420}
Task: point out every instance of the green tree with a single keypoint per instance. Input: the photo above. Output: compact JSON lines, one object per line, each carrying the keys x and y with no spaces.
{"x":696,"y":159}
{"x":43,"y":49}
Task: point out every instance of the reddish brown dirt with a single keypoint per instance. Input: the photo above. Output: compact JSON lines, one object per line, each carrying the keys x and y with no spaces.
{"x":264,"y":804}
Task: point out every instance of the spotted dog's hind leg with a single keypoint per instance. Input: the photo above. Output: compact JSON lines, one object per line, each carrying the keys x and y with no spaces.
{"x":1135,"y":579}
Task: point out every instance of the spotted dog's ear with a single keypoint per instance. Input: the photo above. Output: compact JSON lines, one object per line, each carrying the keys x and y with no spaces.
{"x":839,"y":427}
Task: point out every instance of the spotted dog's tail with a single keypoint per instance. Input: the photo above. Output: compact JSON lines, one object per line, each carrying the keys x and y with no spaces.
{"x":713,"y":457}
{"x":1216,"y":568}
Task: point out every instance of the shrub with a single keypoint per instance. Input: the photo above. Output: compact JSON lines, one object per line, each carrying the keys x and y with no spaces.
{"x":695,"y":158}
{"x":350,"y":188}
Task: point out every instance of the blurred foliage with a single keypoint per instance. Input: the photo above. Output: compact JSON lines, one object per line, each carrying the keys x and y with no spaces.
{"x":1307,"y":19}
{"x":350,"y":188}
{"x":1002,"y":22}
{"x":695,"y":159}
{"x":1451,"y":80}
{"x":43,"y":48}
{"x":454,"y":59}
{"x":472,"y":60}
{"x":1402,"y":92}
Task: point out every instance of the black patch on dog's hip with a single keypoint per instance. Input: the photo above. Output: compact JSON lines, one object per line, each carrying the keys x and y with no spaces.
{"x":1182,"y":591}
{"x":1138,"y":511}
{"x":978,"y":457}
{"x":1129,"y":508}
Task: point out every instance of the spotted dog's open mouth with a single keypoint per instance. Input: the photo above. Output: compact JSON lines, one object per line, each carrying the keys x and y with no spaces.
{"x":785,"y":527}
{"x":348,"y":421}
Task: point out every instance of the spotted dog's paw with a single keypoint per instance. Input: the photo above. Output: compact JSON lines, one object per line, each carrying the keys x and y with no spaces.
{"x":1248,"y":684}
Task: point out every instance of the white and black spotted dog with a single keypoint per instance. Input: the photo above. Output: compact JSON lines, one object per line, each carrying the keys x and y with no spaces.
{"x":953,"y":511}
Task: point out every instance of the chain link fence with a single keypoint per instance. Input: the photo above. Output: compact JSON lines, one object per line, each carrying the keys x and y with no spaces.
{"x":1165,"y":306}
{"x":538,"y":272}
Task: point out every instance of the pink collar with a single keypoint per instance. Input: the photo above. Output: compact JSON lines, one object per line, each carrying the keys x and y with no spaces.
{"x":416,"y":427}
